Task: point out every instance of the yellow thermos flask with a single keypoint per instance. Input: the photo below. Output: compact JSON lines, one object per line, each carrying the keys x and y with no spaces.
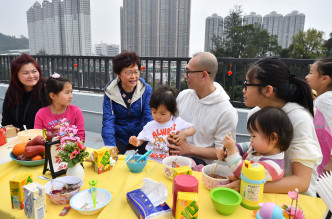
{"x":252,"y":184}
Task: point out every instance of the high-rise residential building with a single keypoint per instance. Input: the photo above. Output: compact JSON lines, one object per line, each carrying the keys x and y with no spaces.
{"x":106,"y":49}
{"x":293,"y":23}
{"x":273,"y":24}
{"x":60,"y":27}
{"x":252,"y":18}
{"x":214,"y":26}
{"x":156,"y":27}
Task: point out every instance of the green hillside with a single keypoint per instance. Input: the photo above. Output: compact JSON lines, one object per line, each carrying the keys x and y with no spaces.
{"x":12,"y":43}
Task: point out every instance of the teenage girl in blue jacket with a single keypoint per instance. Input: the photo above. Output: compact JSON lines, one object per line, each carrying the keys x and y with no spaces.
{"x":126,"y":103}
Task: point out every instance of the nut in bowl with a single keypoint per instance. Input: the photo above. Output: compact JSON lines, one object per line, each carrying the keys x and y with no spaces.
{"x":172,"y":162}
{"x":24,"y":137}
{"x":57,"y":191}
{"x":82,"y":201}
{"x":220,"y":176}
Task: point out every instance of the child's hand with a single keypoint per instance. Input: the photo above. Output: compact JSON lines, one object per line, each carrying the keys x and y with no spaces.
{"x":229,"y":144}
{"x":221,"y":153}
{"x":180,"y":137}
{"x":133,"y":141}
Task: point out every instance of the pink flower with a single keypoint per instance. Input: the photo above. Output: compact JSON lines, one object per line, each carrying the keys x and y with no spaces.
{"x":55,"y":75}
{"x":73,"y":154}
{"x":293,"y":195}
{"x":81,"y":146}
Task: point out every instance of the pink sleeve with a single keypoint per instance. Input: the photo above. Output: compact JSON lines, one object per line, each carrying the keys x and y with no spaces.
{"x":38,"y":121}
{"x":80,"y":125}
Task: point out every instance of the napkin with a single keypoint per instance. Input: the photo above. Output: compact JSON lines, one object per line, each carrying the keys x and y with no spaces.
{"x":156,"y":192}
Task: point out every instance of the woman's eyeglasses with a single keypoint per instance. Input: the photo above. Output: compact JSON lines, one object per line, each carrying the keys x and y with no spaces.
{"x":246,"y":84}
{"x":130,"y":73}
{"x":188,"y":71}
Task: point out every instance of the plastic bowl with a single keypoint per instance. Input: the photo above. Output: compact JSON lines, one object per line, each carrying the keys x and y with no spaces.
{"x":62,"y":199}
{"x":82,"y":201}
{"x":136,"y":167}
{"x":221,"y":170}
{"x":24,"y":137}
{"x":27,"y":163}
{"x":179,"y":160}
{"x":225,"y":200}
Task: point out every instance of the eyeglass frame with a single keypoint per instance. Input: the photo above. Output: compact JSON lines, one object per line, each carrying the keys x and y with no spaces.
{"x":130,"y":73}
{"x":245,"y":85}
{"x":188,"y":71}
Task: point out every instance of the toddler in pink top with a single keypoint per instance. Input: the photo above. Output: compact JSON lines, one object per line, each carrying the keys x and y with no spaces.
{"x":59,"y":94}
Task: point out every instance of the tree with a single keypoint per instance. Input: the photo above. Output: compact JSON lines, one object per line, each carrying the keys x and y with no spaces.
{"x":328,"y":46}
{"x":307,"y":45}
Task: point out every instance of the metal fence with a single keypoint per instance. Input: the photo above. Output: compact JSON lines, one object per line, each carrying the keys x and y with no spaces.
{"x":91,"y":73}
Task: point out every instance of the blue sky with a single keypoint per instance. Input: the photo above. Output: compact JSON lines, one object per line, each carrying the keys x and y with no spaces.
{"x":105,"y":16}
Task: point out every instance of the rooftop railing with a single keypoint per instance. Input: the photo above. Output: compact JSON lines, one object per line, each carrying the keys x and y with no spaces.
{"x":92,"y":73}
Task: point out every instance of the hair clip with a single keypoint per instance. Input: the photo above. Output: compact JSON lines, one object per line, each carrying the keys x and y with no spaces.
{"x":55,"y":75}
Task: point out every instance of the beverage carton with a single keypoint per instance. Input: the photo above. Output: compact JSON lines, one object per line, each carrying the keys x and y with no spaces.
{"x":34,"y":201}
{"x":102,"y":160}
{"x":187,"y":205}
{"x":16,"y":189}
{"x":181,"y":170}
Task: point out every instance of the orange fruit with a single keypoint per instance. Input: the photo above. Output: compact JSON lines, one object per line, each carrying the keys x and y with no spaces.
{"x":37,"y":157}
{"x":19,"y":148}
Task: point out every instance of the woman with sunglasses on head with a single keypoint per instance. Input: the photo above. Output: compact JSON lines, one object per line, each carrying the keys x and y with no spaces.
{"x":270,"y":83}
{"x":22,"y":100}
{"x":126,"y":107}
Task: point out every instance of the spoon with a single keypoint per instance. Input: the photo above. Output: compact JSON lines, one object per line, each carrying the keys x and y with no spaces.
{"x":214,"y":169}
{"x":67,"y":185}
{"x":144,"y":156}
{"x":129,"y":158}
{"x":26,"y":130}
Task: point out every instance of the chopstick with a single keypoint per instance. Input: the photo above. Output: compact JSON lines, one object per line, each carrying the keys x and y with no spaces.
{"x":129,"y":158}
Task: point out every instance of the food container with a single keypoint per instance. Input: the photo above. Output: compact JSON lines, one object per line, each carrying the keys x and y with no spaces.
{"x":34,"y":201}
{"x":62,"y":199}
{"x":83,"y":204}
{"x":16,"y":189}
{"x":136,"y":167}
{"x":24,"y":137}
{"x":225,"y":200}
{"x":177,"y":161}
{"x":221,"y":170}
{"x":102,"y":160}
{"x":187,"y":205}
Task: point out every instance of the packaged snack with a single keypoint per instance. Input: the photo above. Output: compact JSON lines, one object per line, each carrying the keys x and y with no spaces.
{"x":34,"y":201}
{"x":11,"y":131}
{"x":143,"y":207}
{"x":102,"y":160}
{"x":16,"y":189}
{"x":187,"y":205}
{"x":182,"y":170}
{"x":64,"y":211}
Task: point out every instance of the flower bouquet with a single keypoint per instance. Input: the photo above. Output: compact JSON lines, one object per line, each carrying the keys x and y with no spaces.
{"x":73,"y":150}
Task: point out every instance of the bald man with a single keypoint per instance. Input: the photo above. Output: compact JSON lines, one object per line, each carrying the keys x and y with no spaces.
{"x":206,"y":105}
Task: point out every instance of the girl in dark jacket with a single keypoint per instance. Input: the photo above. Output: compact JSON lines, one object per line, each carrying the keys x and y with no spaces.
{"x":126,"y":103}
{"x":22,"y":99}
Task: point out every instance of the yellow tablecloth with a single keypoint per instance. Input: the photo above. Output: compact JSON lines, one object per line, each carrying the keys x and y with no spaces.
{"x":122,"y":181}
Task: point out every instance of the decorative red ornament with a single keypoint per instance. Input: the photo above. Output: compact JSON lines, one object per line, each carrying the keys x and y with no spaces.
{"x":75,"y":65}
{"x":229,"y":73}
{"x":143,"y":68}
